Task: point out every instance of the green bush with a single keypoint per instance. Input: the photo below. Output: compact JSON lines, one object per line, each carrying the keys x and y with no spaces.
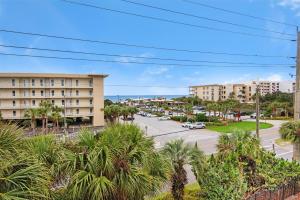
{"x":214,"y":124}
{"x":201,"y":117}
{"x":191,"y":192}
{"x":179,"y":118}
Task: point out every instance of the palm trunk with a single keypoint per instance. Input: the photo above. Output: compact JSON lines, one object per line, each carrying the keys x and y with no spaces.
{"x":43,"y":124}
{"x":296,"y":151}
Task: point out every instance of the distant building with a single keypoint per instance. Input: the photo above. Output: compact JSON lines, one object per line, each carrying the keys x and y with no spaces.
{"x":80,"y":95}
{"x":242,"y":92}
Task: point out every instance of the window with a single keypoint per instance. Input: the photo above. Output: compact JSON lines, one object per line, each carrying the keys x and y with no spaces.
{"x":77,"y":82}
{"x":13,"y":93}
{"x":14,"y":113}
{"x":33,"y":93}
{"x":53,"y":102}
{"x":91,"y":83}
{"x":77,"y":111}
{"x":63,"y":93}
{"x":33,"y":102}
{"x":91,"y":110}
{"x":52,"y":82}
{"x":33,"y":82}
{"x":52,"y":92}
{"x":42,"y":93}
{"x":77,"y":92}
{"x":91,"y":101}
{"x":63,"y":102}
{"x":77,"y":102}
{"x":91,"y":92}
{"x":13,"y":82}
{"x":14,"y":103}
{"x":62,"y":82}
{"x":42,"y":82}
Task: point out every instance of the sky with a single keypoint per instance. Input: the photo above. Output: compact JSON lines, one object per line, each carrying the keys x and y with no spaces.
{"x":56,"y":17}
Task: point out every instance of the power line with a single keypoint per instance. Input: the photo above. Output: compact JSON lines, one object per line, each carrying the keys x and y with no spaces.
{"x":142,"y":46}
{"x":238,"y":13}
{"x":206,"y":18}
{"x":126,"y":62}
{"x":140,"y":57}
{"x":177,"y":22}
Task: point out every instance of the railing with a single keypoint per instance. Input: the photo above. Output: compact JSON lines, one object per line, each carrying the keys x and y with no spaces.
{"x":282,"y":192}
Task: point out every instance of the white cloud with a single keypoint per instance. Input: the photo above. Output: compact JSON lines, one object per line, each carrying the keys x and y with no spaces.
{"x":292,"y":4}
{"x":274,"y":77}
{"x":134,"y":58}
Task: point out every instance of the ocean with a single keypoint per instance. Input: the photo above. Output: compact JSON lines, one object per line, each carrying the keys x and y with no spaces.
{"x":117,"y":98}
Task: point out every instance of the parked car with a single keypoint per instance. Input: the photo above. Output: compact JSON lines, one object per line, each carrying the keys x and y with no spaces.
{"x":186,"y":124}
{"x":163,"y":118}
{"x":253,"y":116}
{"x":197,"y":125}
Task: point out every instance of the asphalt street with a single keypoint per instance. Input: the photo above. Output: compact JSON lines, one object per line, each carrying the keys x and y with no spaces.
{"x":165,"y":131}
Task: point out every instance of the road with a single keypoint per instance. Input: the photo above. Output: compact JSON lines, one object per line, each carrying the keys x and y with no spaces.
{"x":165,"y":131}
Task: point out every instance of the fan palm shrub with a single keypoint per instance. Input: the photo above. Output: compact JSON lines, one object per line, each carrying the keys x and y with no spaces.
{"x":120,"y":165}
{"x":291,"y":131}
{"x":179,"y":155}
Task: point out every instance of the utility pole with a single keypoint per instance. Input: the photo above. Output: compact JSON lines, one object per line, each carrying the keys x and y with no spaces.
{"x":257,"y":109}
{"x":297,"y":89}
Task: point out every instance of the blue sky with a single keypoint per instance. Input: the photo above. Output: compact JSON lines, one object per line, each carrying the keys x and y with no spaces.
{"x":59,"y":18}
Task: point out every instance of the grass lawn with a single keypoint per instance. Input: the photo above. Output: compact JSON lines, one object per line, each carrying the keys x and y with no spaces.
{"x":191,"y":192}
{"x":247,"y":126}
{"x":282,"y":142}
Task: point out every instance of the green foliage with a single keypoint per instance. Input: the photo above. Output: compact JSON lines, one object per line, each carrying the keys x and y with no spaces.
{"x":290,"y":131}
{"x":180,"y":118}
{"x":180,"y":154}
{"x":245,"y":126}
{"x":107,"y":102}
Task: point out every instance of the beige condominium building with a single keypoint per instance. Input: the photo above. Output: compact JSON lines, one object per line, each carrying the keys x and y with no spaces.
{"x":80,"y":95}
{"x":242,"y":92}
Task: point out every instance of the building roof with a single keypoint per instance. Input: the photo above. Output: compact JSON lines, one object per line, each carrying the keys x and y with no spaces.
{"x":49,"y":75}
{"x":205,"y":85}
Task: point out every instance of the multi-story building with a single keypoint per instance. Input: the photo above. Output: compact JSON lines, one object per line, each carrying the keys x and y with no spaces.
{"x":80,"y":95}
{"x":242,"y":92}
{"x":207,"y":92}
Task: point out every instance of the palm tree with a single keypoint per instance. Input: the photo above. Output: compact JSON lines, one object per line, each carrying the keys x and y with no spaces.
{"x":112,"y":112}
{"x":132,"y":112}
{"x":274,"y":107}
{"x":56,"y":116}
{"x":33,"y":114}
{"x":121,"y":165}
{"x":44,"y":111}
{"x":21,"y":175}
{"x":179,"y":155}
{"x":291,"y":131}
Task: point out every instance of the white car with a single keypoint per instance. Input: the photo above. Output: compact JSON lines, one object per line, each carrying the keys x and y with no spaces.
{"x":163,"y":118}
{"x":186,"y":124}
{"x":197,"y":125}
{"x":253,"y":116}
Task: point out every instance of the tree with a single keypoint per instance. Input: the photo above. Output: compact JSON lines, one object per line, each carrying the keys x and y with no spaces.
{"x":22,"y":176}
{"x":107,"y":102}
{"x":1,"y":118}
{"x":179,"y":155}
{"x":45,"y":111}
{"x":33,"y":114}
{"x":132,"y":112}
{"x":112,"y":112}
{"x":291,"y":131}
{"x":124,"y":111}
{"x":121,"y":165}
{"x":274,"y":107}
